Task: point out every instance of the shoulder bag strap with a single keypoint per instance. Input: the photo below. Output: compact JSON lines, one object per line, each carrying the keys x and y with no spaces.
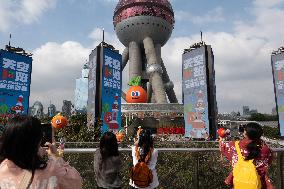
{"x":237,"y":146}
{"x":26,"y":180}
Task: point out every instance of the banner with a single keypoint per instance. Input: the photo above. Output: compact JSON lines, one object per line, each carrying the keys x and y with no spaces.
{"x":278,"y":80}
{"x":195,"y":93}
{"x":15,"y":83}
{"x":111,"y":90}
{"x":92,"y":84}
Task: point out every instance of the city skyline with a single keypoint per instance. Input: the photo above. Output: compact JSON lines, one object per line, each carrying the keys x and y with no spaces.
{"x":61,"y":35}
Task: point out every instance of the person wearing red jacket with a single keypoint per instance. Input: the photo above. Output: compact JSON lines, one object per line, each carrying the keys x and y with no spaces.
{"x":252,"y":147}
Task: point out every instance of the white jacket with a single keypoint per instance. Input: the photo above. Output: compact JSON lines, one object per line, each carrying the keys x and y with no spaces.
{"x":152,"y":165}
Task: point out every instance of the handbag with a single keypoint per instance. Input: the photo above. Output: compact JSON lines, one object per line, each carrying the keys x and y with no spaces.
{"x":26,"y":180}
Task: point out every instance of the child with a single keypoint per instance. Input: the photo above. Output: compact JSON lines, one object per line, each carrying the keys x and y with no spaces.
{"x":107,"y":163}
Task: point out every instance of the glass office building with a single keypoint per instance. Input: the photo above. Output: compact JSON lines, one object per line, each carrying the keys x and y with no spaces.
{"x":81,"y":91}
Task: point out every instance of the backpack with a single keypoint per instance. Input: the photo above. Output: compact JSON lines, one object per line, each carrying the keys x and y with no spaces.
{"x":245,"y":173}
{"x":141,"y":175}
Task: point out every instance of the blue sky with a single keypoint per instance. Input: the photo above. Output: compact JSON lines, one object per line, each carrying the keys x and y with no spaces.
{"x":61,"y":34}
{"x":75,"y":19}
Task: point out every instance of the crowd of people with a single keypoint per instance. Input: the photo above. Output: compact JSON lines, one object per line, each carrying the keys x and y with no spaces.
{"x":23,"y":162}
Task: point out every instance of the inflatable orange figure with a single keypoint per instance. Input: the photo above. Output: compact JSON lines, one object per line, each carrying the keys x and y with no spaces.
{"x":59,"y":121}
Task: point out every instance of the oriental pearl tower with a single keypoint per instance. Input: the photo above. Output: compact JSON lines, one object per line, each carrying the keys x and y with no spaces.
{"x":143,"y":27}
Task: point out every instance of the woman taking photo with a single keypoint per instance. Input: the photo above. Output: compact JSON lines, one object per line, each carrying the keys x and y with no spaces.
{"x":251,"y":147}
{"x":107,"y":163}
{"x":143,"y":173}
{"x":22,"y":163}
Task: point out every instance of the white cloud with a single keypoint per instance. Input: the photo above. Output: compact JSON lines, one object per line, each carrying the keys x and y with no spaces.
{"x":55,"y":68}
{"x":212,"y":16}
{"x":22,"y":11}
{"x":97,"y":36}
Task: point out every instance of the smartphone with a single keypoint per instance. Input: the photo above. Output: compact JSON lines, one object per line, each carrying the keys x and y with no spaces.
{"x":47,"y":133}
{"x":241,"y":129}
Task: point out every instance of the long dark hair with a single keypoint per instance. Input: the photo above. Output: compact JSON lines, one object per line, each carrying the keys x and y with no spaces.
{"x":145,"y":143}
{"x":20,"y":143}
{"x":253,"y":131}
{"x":108,"y":145}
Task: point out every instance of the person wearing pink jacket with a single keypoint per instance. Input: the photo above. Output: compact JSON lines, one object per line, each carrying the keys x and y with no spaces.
{"x":22,"y":163}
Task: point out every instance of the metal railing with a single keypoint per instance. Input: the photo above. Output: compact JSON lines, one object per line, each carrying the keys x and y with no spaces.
{"x":197,"y":167}
{"x":92,"y":150}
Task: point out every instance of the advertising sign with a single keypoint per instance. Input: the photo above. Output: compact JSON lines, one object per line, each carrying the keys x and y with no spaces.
{"x":15,"y":80}
{"x":278,"y":78}
{"x":91,"y":103}
{"x":111,"y":91}
{"x":195,"y":94}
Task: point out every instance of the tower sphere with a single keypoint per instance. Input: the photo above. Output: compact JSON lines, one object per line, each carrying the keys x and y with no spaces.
{"x":134,"y":20}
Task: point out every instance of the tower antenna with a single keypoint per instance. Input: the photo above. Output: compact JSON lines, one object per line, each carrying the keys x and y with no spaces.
{"x":10,"y":39}
{"x":201,"y":36}
{"x":103,"y":35}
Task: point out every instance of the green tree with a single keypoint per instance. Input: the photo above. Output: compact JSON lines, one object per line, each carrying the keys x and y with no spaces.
{"x":262,"y":117}
{"x":77,"y":130}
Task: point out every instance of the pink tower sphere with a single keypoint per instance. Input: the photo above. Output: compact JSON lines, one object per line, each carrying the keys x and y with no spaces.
{"x":136,"y":19}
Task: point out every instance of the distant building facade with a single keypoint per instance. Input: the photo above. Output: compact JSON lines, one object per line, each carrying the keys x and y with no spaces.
{"x":36,"y":110}
{"x":248,"y":112}
{"x":81,"y":91}
{"x":274,"y":112}
{"x":253,"y":112}
{"x":245,"y":110}
{"x":51,"y":110}
{"x":67,"y":108}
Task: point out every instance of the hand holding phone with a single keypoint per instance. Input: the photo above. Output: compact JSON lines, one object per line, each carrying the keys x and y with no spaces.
{"x":52,"y":150}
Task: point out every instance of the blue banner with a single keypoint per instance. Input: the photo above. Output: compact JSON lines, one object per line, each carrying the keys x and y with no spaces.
{"x":15,"y":80}
{"x":278,"y":78}
{"x":111,"y":91}
{"x":195,"y":94}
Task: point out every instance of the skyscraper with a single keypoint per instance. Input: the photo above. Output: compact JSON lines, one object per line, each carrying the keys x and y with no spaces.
{"x":81,"y":91}
{"x":37,"y":110}
{"x":51,"y":110}
{"x":245,"y":110}
{"x":67,"y":108}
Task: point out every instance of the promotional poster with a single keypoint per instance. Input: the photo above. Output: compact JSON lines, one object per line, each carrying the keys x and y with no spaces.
{"x":15,"y":83}
{"x":111,"y":91}
{"x":195,"y":94}
{"x":278,"y":78}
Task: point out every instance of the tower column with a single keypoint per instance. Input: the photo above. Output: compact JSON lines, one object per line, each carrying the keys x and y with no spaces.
{"x":125,"y":57}
{"x":149,"y":92}
{"x":168,"y":84}
{"x":135,"y":66}
{"x":154,"y":70}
